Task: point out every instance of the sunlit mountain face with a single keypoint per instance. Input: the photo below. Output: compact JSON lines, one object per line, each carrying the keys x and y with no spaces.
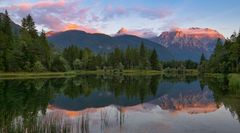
{"x":198,"y":37}
{"x":189,"y":43}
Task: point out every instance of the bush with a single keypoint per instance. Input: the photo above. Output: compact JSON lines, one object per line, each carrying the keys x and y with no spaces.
{"x":77,"y":64}
{"x":59,"y":64}
{"x":38,"y":67}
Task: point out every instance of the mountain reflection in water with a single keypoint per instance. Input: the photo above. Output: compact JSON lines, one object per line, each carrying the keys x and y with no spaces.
{"x":118,"y":104}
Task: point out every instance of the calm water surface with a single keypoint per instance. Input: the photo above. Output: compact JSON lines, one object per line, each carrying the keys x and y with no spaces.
{"x":99,"y":104}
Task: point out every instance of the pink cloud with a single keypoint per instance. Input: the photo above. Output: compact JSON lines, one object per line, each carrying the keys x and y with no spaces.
{"x":41,"y":4}
{"x":50,"y":21}
{"x":72,"y":26}
{"x":51,"y":14}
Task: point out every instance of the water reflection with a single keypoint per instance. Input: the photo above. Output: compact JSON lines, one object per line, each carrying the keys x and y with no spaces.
{"x":118,"y":104}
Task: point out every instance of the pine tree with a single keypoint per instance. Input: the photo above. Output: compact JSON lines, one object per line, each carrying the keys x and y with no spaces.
{"x":117,"y":57}
{"x":7,"y":40}
{"x":154,"y":60}
{"x":45,"y":50}
{"x":143,"y":56}
{"x":238,"y":37}
{"x":128,"y":57}
{"x":30,"y":25}
{"x":202,"y":59}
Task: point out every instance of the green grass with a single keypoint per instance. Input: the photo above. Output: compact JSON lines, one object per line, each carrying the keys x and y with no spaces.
{"x":26,"y":75}
{"x":30,"y":75}
{"x":214,"y":75}
{"x":234,"y":81}
{"x":141,"y":72}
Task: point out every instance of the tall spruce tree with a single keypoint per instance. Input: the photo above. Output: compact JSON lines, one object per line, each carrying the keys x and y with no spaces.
{"x":202,"y":58}
{"x":143,"y":56}
{"x":154,"y":60}
{"x":7,"y":40}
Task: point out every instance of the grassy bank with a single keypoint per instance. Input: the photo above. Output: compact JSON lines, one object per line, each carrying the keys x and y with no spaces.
{"x":214,"y":75}
{"x":234,"y":81}
{"x":25,"y":75}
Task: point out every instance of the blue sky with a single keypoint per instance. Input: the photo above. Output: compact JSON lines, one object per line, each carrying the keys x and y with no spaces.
{"x":147,"y":17}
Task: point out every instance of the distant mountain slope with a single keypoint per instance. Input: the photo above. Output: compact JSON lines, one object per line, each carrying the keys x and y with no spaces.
{"x":104,"y":43}
{"x":189,"y":43}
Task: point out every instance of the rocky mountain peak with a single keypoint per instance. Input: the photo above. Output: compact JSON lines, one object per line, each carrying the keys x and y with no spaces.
{"x":189,"y":43}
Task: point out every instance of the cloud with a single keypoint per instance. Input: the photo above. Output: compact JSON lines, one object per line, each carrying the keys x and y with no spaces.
{"x":145,"y":33}
{"x":41,"y":4}
{"x":51,"y":14}
{"x":111,"y":12}
{"x":55,"y":15}
{"x":72,"y":26}
{"x":152,"y":13}
{"x":50,"y":21}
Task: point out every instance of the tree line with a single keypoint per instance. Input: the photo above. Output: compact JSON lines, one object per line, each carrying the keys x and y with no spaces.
{"x":226,"y":57}
{"x":29,"y":51}
{"x":25,"y":51}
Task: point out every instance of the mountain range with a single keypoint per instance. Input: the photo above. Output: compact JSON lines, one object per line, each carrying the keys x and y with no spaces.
{"x":101,"y":43}
{"x":176,"y":44}
{"x":189,"y":43}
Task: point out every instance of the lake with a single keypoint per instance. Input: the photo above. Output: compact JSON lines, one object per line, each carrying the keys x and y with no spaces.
{"x":99,"y":104}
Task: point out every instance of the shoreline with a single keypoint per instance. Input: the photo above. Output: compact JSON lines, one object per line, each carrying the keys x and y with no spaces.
{"x":129,"y":72}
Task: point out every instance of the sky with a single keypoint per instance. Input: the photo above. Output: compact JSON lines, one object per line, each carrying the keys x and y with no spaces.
{"x":142,"y":17}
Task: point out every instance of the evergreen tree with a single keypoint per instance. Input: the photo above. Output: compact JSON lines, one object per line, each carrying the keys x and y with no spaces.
{"x":7,"y":40}
{"x":143,"y":56}
{"x":154,"y":60}
{"x":117,"y":57}
{"x":29,"y":24}
{"x":45,"y":50}
{"x":128,"y":58}
{"x":238,"y":37}
{"x":202,"y":58}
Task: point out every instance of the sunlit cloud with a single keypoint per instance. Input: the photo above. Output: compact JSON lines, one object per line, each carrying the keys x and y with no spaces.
{"x":109,"y":16}
{"x":41,"y":4}
{"x":53,"y":15}
{"x":145,"y":33}
{"x":72,"y":26}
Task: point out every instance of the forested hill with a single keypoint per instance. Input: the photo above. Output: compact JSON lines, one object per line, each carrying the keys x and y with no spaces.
{"x":101,"y":43}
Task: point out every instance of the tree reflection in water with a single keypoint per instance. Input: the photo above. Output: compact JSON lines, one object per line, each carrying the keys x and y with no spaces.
{"x":73,"y":104}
